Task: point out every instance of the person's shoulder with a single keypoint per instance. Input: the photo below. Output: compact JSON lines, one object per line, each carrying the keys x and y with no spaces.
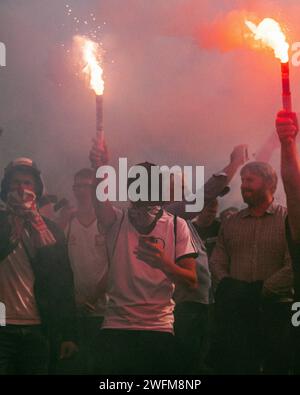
{"x":234,"y":218}
{"x":167,"y":216}
{"x":168,"y":219}
{"x":175,"y":221}
{"x":181,"y":221}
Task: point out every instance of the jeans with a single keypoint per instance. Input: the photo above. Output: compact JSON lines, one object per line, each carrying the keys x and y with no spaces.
{"x":83,"y":362}
{"x":134,"y":352}
{"x":23,"y":350}
{"x":254,"y":341}
{"x":192,"y":331}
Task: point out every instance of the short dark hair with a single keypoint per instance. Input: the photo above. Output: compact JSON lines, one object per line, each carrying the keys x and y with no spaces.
{"x":263,"y":170}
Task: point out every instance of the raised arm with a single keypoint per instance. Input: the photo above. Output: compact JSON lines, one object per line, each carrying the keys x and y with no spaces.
{"x":104,"y":210}
{"x":238,"y":157}
{"x":215,"y":185}
{"x":287,"y":129}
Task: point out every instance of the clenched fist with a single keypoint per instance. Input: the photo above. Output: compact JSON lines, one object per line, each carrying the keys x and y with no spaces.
{"x":287,"y":126}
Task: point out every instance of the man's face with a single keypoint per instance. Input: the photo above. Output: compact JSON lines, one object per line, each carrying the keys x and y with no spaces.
{"x":21,"y":181}
{"x":82,"y":189}
{"x":172,"y":188}
{"x":254,"y":189}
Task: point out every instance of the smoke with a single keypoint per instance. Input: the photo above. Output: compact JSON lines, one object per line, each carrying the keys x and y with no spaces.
{"x":181,"y":85}
{"x":224,"y":33}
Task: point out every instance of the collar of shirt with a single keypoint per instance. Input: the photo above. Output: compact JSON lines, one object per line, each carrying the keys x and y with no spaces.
{"x":270,"y":210}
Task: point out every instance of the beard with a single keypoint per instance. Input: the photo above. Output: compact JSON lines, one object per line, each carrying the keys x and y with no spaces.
{"x":253,"y":198}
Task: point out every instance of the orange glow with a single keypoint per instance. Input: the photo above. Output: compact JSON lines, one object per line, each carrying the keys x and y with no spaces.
{"x":269,"y":32}
{"x":93,"y":70}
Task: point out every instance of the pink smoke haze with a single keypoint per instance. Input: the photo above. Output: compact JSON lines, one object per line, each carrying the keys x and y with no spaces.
{"x":183,"y":83}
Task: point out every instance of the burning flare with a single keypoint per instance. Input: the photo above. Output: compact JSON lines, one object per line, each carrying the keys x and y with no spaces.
{"x":271,"y":34}
{"x":92,"y":68}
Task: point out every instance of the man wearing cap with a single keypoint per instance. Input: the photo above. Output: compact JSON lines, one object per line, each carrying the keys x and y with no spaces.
{"x":139,"y":316}
{"x":36,"y":284}
{"x":146,"y":257}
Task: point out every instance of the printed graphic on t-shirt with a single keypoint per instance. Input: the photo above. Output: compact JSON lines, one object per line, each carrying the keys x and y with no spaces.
{"x":140,"y":295}
{"x":157,"y":241}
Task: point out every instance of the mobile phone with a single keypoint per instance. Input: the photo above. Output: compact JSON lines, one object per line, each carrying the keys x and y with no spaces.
{"x":144,"y":240}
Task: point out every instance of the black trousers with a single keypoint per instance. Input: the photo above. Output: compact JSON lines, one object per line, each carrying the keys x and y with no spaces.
{"x":192,"y":331}
{"x":131,"y":352}
{"x":253,"y":341}
{"x":83,"y":362}
{"x":296,"y":347}
{"x":23,"y":350}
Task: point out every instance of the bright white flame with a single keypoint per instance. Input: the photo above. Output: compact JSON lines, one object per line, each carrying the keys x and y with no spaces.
{"x":271,"y":34}
{"x":92,"y":68}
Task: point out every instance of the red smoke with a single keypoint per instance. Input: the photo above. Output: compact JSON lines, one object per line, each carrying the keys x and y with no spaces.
{"x":225,"y":32}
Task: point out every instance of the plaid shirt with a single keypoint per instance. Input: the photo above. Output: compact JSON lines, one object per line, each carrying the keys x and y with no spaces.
{"x":255,"y":249}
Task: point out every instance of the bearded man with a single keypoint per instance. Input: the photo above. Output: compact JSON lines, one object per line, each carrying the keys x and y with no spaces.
{"x":253,"y":278}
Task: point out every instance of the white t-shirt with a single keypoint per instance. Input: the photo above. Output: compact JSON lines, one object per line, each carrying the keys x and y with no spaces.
{"x":16,"y":289}
{"x":89,"y":261}
{"x":140,"y":296}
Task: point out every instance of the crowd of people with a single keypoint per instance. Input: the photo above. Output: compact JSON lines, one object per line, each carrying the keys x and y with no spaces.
{"x":152,"y":289}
